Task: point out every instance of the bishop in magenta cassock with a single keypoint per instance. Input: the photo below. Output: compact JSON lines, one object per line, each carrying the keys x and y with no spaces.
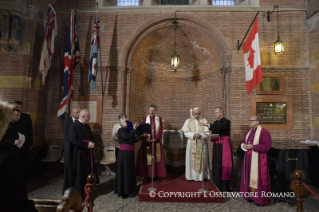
{"x":255,"y":173}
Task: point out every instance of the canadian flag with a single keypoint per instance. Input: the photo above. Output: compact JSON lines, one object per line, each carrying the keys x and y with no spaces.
{"x":252,"y":59}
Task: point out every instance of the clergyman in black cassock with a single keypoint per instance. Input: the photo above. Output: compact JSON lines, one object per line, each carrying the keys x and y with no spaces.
{"x":125,"y":172}
{"x":83,"y":165}
{"x":68,"y":151}
{"x":222,"y":127}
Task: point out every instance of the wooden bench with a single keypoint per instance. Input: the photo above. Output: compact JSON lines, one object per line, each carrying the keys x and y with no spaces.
{"x":71,"y":200}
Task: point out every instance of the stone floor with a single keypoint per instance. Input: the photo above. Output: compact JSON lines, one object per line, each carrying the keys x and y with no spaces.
{"x":50,"y":186}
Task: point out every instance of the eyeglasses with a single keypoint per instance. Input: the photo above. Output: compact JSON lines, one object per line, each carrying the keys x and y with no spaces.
{"x":252,"y":120}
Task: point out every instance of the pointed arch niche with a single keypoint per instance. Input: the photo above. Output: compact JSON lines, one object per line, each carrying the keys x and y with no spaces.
{"x":199,"y":81}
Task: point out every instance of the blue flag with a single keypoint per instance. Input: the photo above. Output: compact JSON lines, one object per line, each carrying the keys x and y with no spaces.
{"x":95,"y":42}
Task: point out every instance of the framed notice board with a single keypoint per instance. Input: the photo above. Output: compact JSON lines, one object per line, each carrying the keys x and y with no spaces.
{"x":94,"y":105}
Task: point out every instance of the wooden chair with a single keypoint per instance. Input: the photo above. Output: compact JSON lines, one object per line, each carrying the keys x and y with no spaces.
{"x":54,"y":153}
{"x":108,"y":158}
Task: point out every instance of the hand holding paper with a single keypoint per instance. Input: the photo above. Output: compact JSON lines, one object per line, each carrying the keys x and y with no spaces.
{"x":22,"y":139}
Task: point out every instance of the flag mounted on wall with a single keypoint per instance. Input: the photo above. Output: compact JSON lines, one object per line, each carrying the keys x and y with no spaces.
{"x":48,"y":44}
{"x":95,"y":45}
{"x":252,"y":59}
{"x":71,"y":59}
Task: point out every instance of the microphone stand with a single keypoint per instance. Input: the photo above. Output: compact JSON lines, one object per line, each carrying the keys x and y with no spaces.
{"x":153,"y":128}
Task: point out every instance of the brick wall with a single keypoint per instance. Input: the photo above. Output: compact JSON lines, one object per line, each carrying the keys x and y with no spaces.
{"x":143,"y":42}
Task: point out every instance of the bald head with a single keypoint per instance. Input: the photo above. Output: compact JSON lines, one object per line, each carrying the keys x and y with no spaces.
{"x":84,"y":116}
{"x":254,"y":121}
{"x":75,"y":113}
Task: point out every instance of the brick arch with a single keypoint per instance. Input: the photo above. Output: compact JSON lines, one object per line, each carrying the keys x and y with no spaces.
{"x":161,"y":21}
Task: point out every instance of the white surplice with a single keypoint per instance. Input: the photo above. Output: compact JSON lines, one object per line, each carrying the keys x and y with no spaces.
{"x":190,"y":173}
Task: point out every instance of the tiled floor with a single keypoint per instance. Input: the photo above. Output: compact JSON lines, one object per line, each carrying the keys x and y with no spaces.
{"x":50,"y":186}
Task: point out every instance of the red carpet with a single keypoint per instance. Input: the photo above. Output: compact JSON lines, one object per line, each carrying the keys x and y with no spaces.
{"x":180,"y":190}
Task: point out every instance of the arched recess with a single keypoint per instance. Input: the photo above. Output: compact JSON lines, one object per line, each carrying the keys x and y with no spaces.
{"x":198,"y":82}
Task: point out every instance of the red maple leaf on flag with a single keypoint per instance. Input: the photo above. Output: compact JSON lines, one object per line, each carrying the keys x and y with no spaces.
{"x":251,"y":57}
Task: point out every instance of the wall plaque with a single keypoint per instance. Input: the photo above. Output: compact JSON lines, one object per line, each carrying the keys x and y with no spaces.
{"x":94,"y":105}
{"x":272,"y":84}
{"x":272,"y":112}
{"x":275,"y":112}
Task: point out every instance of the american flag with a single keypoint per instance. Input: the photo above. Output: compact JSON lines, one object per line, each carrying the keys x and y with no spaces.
{"x":48,"y":44}
{"x":95,"y":42}
{"x":71,"y":59}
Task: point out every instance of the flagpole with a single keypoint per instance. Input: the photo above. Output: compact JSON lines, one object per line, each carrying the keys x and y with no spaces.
{"x":99,"y":43}
{"x":238,"y":47}
{"x":61,"y":65}
{"x":79,"y":50}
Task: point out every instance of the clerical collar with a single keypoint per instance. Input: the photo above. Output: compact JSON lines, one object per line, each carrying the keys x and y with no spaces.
{"x":73,"y":119}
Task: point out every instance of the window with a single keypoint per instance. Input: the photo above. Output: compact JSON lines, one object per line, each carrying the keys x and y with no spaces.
{"x":127,"y":2}
{"x":223,"y":2}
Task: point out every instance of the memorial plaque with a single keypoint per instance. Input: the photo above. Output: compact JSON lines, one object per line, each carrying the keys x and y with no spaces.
{"x":272,"y":112}
{"x":272,"y":84}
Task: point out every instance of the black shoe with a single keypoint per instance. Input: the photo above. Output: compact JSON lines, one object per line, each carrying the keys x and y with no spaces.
{"x":156,"y":179}
{"x":132,"y":194}
{"x":124,"y":196}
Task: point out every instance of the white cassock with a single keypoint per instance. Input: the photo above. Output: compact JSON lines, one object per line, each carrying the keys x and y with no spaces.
{"x":190,"y":173}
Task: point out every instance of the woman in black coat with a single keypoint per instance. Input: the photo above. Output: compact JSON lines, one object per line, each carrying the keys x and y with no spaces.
{"x":125,"y":175}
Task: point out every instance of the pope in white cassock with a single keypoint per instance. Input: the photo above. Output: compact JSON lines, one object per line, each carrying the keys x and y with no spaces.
{"x":196,"y":147}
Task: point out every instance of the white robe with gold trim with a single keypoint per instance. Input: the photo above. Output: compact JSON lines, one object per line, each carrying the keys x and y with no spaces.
{"x":190,"y":173}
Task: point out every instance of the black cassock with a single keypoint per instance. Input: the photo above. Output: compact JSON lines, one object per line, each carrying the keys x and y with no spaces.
{"x":24,"y":126}
{"x":83,"y":157}
{"x":222,"y":128}
{"x":68,"y":153}
{"x":9,"y":138}
{"x":13,"y":192}
{"x":125,"y":172}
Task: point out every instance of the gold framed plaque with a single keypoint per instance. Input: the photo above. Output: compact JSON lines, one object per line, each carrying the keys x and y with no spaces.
{"x":272,"y":84}
{"x":275,"y":112}
{"x":94,"y":105}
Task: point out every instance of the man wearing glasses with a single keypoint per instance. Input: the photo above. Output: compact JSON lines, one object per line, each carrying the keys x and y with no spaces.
{"x":255,"y":173}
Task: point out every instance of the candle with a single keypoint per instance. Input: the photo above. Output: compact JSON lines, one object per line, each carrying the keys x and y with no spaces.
{"x":191,"y":112}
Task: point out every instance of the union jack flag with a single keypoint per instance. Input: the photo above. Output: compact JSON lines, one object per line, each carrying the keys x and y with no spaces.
{"x":48,"y":44}
{"x":95,"y":43}
{"x":71,"y":59}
